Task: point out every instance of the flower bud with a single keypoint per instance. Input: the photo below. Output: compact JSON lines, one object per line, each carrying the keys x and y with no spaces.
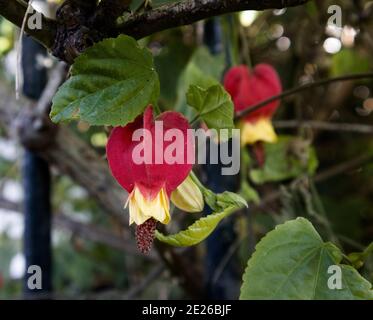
{"x":188,"y":197}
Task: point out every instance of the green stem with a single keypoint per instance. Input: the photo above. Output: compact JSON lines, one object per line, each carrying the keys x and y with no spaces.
{"x":368,"y":251}
{"x":198,"y":183}
{"x":194,"y":120}
{"x":157,"y":109}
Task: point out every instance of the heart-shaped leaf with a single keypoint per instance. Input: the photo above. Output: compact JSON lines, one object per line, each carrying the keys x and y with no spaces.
{"x":292,"y":262}
{"x":214,"y":106}
{"x":112,"y":83}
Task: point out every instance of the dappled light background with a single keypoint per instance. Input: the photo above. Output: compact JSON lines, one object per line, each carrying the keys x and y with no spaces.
{"x":91,"y":254}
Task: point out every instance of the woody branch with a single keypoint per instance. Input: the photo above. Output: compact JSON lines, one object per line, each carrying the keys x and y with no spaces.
{"x":140,"y":25}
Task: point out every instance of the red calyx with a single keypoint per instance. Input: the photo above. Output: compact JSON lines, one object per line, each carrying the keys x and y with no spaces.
{"x":149,"y":178}
{"x":249,"y":87}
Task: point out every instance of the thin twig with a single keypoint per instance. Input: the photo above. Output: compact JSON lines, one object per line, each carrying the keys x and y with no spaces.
{"x":153,"y":275}
{"x":322,"y":176}
{"x":325,"y":175}
{"x":9,"y":205}
{"x":100,"y":235}
{"x":85,"y":231}
{"x":56,"y":78}
{"x":344,"y":167}
{"x":132,"y":293}
{"x":326,"y":126}
{"x":226,"y":258}
{"x":301,"y":88}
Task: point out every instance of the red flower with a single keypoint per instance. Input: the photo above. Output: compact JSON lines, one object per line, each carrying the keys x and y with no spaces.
{"x":150,"y":184}
{"x":248,"y":88}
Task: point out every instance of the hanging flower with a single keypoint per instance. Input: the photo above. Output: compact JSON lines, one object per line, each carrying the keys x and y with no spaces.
{"x":249,"y":87}
{"x":150,"y":158}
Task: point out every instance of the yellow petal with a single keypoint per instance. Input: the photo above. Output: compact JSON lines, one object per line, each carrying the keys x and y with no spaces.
{"x":261,"y":130}
{"x":142,"y":209}
{"x":188,"y":197}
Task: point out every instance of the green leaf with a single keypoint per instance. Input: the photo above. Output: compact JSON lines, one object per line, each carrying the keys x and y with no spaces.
{"x":286,"y":159}
{"x":111,"y":84}
{"x":228,"y":199}
{"x":220,"y":201}
{"x":292,"y":262}
{"x":203,"y":66}
{"x":214,"y":106}
{"x":197,"y":232}
{"x":203,"y":70}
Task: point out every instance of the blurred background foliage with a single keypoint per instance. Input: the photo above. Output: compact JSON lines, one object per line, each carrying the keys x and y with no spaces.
{"x":337,"y":196}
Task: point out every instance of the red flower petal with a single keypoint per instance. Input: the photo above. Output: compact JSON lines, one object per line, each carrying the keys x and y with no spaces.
{"x":150,"y":178}
{"x":249,"y":88}
{"x":233,"y":78}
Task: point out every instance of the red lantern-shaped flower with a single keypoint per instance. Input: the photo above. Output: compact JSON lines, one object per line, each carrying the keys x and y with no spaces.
{"x":249,"y":87}
{"x":150,"y":158}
